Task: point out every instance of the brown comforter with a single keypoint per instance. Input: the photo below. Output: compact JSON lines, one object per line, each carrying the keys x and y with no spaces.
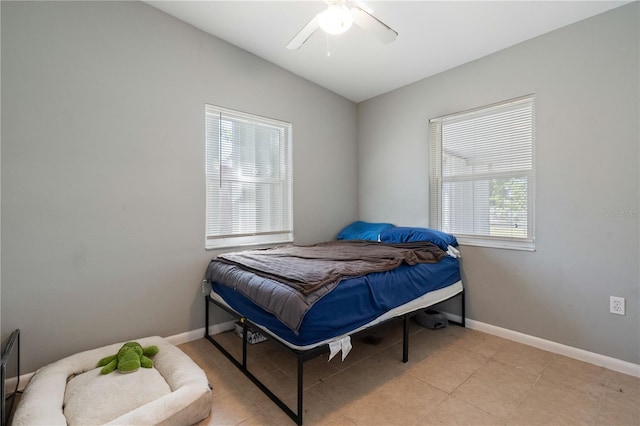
{"x":309,"y":268}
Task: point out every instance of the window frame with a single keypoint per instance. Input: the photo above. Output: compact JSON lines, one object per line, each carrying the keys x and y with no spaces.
{"x":437,"y":179}
{"x":284,"y":233}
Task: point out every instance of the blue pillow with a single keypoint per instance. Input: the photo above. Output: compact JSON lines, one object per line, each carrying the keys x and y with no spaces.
{"x":359,"y":230}
{"x":407,"y":235}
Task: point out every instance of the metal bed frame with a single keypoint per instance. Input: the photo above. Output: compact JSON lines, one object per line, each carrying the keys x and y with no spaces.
{"x":302,"y":355}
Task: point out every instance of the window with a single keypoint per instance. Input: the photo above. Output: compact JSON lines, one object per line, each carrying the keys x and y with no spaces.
{"x":249,"y":185}
{"x":482,"y":175}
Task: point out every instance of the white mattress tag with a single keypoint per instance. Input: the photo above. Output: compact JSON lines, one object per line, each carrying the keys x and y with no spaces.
{"x":343,"y":345}
{"x":334,"y":348}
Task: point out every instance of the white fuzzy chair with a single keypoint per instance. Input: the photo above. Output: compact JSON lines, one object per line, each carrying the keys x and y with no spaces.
{"x":72,"y":391}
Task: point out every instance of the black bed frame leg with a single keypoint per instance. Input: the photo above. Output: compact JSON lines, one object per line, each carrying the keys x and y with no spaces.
{"x":405,"y":339}
{"x":300,"y":377}
{"x":245,"y":332}
{"x":206,"y":317}
{"x":464,"y":312}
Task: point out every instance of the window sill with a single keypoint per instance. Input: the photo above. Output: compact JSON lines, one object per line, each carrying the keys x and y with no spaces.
{"x":249,"y":241}
{"x":522,"y":245}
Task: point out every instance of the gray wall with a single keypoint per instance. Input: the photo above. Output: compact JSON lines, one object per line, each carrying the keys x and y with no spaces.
{"x":585,"y":78}
{"x":103,"y":183}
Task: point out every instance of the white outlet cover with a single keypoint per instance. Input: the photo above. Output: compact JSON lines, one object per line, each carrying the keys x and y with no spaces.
{"x":616,"y":305}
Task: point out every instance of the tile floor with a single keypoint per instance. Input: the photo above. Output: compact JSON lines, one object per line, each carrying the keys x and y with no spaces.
{"x":454,"y":376}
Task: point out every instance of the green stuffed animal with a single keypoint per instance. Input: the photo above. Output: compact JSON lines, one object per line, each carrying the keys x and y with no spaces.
{"x":129,"y":358}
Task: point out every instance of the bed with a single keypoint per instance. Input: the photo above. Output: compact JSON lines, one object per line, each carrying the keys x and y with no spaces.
{"x":311,"y":314}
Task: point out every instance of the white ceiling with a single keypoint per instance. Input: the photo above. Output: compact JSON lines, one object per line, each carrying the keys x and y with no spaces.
{"x":433,"y":36}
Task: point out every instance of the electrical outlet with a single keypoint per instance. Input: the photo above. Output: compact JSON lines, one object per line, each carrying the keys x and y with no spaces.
{"x":616,"y":305}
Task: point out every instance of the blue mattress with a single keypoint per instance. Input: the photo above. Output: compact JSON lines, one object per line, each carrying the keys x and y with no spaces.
{"x":353,"y":303}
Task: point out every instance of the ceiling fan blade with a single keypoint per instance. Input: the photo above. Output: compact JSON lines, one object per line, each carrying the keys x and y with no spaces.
{"x":370,"y":23}
{"x":304,"y":34}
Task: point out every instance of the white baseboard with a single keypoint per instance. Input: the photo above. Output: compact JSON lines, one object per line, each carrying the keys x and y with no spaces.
{"x":558,"y":348}
{"x":24,"y":379}
{"x":188,"y":336}
{"x":10,"y":383}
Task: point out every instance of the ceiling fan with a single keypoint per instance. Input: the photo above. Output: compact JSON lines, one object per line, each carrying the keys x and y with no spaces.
{"x":338,"y":18}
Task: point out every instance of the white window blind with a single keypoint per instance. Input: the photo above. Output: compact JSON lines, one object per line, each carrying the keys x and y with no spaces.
{"x":482,"y":175}
{"x":249,"y":182}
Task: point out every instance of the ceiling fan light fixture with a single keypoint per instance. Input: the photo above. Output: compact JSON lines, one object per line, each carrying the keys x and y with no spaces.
{"x":336,"y":19}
